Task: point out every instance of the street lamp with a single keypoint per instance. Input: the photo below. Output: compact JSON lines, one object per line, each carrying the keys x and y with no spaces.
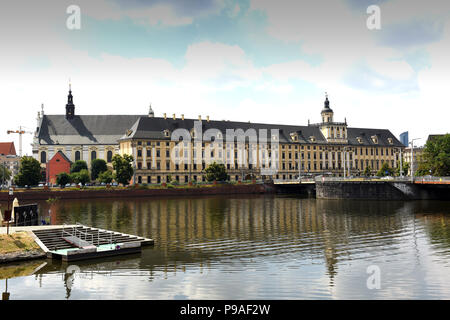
{"x":412,"y":158}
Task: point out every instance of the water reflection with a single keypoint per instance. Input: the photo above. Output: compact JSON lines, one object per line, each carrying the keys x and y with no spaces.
{"x":274,"y":244}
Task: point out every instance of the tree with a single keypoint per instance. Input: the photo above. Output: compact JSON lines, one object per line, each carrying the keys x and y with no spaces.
{"x":62,"y":179}
{"x":106,"y":176}
{"x":98,"y":166}
{"x":80,"y":177}
{"x":405,"y":167}
{"x":216,"y":172}
{"x":5,"y":174}
{"x":29,"y":172}
{"x":436,"y":157}
{"x":78,"y":165}
{"x":367,"y":172}
{"x":385,"y":170}
{"x":124,"y":169}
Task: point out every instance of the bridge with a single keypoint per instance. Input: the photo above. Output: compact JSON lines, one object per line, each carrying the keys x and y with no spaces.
{"x":384,"y":188}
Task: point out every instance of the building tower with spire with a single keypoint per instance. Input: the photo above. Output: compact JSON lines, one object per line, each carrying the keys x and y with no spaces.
{"x":332,"y":131}
{"x":70,"y":107}
{"x":151,"y":113}
{"x":327,"y":113}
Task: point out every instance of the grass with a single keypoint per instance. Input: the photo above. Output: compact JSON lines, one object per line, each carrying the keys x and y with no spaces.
{"x":17,"y":242}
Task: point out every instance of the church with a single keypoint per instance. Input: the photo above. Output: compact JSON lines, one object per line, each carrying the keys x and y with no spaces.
{"x":79,"y":137}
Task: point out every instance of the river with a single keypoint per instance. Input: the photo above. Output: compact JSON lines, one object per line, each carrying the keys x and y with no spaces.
{"x":251,"y":247}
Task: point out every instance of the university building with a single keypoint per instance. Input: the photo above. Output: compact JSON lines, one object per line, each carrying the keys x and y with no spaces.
{"x":278,"y":152}
{"x":327,"y":147}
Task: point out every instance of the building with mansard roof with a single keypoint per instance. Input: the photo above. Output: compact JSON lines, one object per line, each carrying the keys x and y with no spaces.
{"x":327,"y":147}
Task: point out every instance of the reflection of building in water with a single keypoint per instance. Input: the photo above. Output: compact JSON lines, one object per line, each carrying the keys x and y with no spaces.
{"x":215,"y":229}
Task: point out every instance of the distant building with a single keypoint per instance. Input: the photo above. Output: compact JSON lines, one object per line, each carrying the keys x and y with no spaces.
{"x":404,"y":138}
{"x":10,"y":160}
{"x":59,"y":163}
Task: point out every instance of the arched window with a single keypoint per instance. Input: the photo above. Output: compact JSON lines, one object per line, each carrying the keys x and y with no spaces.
{"x":43,"y":157}
{"x":109,"y":156}
{"x":93,"y":155}
{"x":77,"y":155}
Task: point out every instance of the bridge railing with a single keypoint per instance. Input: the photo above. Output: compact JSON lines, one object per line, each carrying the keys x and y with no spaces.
{"x":393,"y":179}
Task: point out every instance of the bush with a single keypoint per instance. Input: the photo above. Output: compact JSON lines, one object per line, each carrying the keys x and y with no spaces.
{"x":81,"y":177}
{"x":105,"y":177}
{"x":78,"y":165}
{"x":98,"y":166}
{"x":63,"y":178}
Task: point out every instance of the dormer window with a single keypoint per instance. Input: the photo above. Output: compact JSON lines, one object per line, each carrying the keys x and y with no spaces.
{"x":360,"y":140}
{"x":166,"y":133}
{"x":275,"y":137}
{"x":375,"y":139}
{"x":294,"y":137}
{"x":390,"y":141}
{"x":312,"y":139}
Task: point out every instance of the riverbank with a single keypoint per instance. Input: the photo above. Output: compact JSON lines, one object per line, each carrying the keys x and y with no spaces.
{"x":138,"y":191}
{"x":19,"y":246}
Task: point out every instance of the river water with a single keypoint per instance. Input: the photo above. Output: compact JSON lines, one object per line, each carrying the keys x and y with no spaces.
{"x":251,"y":247}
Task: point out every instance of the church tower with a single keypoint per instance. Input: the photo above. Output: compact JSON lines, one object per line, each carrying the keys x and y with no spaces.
{"x":70,"y":107}
{"x":327,"y":113}
{"x":332,"y":131}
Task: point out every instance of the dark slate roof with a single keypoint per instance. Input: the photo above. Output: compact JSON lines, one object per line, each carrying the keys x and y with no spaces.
{"x":153,"y":128}
{"x":84,"y":129}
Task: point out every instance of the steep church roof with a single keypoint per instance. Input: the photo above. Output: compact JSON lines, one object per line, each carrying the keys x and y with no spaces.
{"x":84,"y":129}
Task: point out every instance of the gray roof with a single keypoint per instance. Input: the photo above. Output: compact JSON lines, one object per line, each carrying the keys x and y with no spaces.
{"x":84,"y":129}
{"x":153,"y":128}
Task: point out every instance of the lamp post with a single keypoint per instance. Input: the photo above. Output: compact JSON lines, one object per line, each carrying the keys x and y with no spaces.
{"x":412,"y":158}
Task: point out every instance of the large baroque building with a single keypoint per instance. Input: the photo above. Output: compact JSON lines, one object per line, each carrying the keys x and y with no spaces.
{"x":79,"y":137}
{"x":327,"y":147}
{"x":278,"y":152}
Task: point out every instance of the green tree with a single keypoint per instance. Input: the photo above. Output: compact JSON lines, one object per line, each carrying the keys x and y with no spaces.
{"x":436,"y":157}
{"x":367,"y":172}
{"x":106,"y":176}
{"x":78,"y":165}
{"x":405,"y":167}
{"x":5,"y":173}
{"x":123,"y":168}
{"x":385,"y":170}
{"x":98,"y":166}
{"x":216,"y":171}
{"x":63,"y":178}
{"x":80,"y":177}
{"x":29,"y":172}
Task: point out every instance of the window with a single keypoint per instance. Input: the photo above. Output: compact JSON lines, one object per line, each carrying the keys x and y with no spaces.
{"x":108,"y":156}
{"x":139,"y":153}
{"x":77,"y":155}
{"x":93,"y":155}
{"x":43,"y":157}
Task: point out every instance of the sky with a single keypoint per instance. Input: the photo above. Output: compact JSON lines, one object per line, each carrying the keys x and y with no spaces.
{"x":251,"y":60}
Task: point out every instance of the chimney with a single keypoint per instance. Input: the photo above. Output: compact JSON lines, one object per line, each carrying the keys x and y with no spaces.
{"x":200,"y":118}
{"x":174,"y":118}
{"x":165,"y":115}
{"x":207,"y":118}
{"x":182,"y":117}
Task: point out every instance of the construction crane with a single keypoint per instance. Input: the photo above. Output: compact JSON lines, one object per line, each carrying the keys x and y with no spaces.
{"x":20,"y":132}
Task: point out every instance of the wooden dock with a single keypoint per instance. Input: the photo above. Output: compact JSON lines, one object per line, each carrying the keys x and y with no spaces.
{"x":78,"y":242}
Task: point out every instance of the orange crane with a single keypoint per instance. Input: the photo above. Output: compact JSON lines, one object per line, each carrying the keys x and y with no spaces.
{"x":20,"y":132}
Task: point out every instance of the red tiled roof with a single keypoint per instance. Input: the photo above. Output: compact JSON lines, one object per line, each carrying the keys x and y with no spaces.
{"x":7,"y":148}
